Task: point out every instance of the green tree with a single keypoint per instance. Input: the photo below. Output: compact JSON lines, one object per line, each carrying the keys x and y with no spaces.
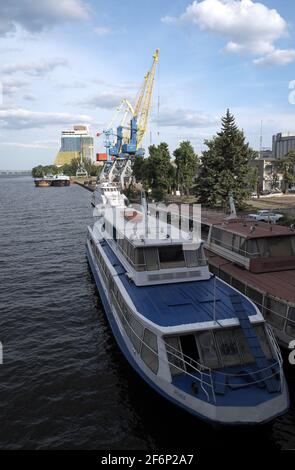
{"x":187,"y":163}
{"x":225,"y":168}
{"x":286,"y":167}
{"x":160,"y":173}
{"x":42,"y":170}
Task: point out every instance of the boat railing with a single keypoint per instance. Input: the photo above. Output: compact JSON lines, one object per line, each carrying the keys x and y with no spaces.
{"x":206,"y":376}
{"x":264,"y":373}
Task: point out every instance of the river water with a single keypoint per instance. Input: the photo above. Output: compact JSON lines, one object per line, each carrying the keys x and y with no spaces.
{"x":64,"y":383}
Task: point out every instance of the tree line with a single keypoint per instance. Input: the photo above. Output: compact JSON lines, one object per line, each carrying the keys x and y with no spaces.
{"x":69,"y":169}
{"x":223,"y":168}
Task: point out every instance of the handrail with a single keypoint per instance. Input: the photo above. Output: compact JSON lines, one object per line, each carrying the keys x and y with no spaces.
{"x":201,"y":373}
{"x":225,"y":373}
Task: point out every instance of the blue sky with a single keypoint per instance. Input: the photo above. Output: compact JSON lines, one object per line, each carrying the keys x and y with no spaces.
{"x":72,"y":61}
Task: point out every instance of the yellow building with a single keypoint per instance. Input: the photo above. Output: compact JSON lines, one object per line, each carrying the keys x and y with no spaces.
{"x":74,"y":142}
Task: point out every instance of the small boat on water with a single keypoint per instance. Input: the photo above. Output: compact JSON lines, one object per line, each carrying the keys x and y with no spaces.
{"x":195,"y":339}
{"x":52,"y":180}
{"x":42,"y":183}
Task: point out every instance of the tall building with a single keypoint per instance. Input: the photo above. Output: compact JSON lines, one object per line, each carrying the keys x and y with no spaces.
{"x":282,"y":144}
{"x":74,"y":142}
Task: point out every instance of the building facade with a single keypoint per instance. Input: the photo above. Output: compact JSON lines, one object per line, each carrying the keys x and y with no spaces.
{"x":282,"y":144}
{"x":75,"y":142}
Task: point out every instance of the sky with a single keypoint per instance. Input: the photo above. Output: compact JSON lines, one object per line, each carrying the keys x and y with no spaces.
{"x":65,"y":62}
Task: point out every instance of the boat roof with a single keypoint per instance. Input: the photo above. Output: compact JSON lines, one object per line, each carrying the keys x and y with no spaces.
{"x":157,"y":233}
{"x":280,"y":284}
{"x":178,"y":304}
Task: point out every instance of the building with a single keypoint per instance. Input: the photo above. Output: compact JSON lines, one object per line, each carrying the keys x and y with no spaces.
{"x":74,"y":142}
{"x":269,"y":178}
{"x":282,"y":144}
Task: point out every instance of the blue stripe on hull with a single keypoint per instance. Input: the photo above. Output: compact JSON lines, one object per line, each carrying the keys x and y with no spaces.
{"x":132,"y":362}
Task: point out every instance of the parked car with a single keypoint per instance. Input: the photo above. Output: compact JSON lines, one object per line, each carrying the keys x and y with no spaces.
{"x":266,"y":216}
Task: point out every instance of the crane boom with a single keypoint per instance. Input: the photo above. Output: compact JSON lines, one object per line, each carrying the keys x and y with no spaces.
{"x":142,"y":114}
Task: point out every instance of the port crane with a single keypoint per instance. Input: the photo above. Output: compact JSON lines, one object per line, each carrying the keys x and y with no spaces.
{"x":128,"y":139}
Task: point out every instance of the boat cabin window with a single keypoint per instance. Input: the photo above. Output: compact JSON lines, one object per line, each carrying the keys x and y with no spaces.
{"x":149,"y":350}
{"x":228,"y":240}
{"x":271,"y":247}
{"x":215,"y":349}
{"x":171,"y":257}
{"x":205,"y":231}
{"x":152,"y":258}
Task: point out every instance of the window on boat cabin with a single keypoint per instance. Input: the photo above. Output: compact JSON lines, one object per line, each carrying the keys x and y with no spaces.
{"x":208,"y":351}
{"x":272,"y":246}
{"x":194,"y":257}
{"x":255,"y":296}
{"x":152,"y":258}
{"x":136,"y":332}
{"x":228,"y":346}
{"x":275,"y":312}
{"x":205,"y":231}
{"x":149,"y":350}
{"x":290,"y":327}
{"x":139,"y":259}
{"x":171,"y":256}
{"x":264,"y":341}
{"x":174,"y":354}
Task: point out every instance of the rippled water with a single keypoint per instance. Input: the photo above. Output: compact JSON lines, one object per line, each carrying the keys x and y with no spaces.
{"x":64,"y":384}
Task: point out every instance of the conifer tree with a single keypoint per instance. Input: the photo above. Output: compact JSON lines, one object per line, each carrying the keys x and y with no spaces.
{"x":186,"y":162}
{"x":224,"y":168}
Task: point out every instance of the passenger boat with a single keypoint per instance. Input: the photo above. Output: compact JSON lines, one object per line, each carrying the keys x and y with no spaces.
{"x":196,"y":340}
{"x":60,"y":180}
{"x":52,"y":180}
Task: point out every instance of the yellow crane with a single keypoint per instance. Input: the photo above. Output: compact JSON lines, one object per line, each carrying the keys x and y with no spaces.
{"x":130,"y":145}
{"x":143,"y":105}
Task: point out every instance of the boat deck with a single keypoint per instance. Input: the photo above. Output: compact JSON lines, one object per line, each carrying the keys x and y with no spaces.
{"x":177,"y":304}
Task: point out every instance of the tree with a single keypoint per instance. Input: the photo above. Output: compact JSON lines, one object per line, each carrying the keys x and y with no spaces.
{"x":40,"y":170}
{"x":160,"y":173}
{"x":286,"y":166}
{"x":187,"y":163}
{"x":224,"y":168}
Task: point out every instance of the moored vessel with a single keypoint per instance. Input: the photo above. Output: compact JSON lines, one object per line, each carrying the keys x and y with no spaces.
{"x":196,"y":340}
{"x":52,"y":180}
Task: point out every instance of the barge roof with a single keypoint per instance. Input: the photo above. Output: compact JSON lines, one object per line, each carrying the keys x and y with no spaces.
{"x":280,"y":284}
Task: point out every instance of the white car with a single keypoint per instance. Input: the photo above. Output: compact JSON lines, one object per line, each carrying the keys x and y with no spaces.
{"x":266,"y":216}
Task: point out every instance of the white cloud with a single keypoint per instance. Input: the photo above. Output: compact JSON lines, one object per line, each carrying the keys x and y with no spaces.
{"x":19,"y":118}
{"x":36,"y":15}
{"x":247,"y":25}
{"x":12,"y":85}
{"x":33,"y":68}
{"x":102,"y":31}
{"x":103,"y":100}
{"x":277,"y":57}
{"x":184,"y":118}
{"x":37,"y":144}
